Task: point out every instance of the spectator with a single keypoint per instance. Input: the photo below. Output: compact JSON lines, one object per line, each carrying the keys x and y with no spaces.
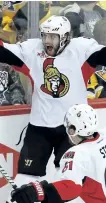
{"x":12,"y":30}
{"x":11,"y":89}
{"x":97,"y":84}
{"x":82,"y":20}
{"x":100,"y":7}
{"x":76,"y":18}
{"x":13,"y":21}
{"x":94,"y":88}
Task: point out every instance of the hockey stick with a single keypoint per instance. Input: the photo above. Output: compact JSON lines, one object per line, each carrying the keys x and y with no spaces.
{"x":8,"y":178}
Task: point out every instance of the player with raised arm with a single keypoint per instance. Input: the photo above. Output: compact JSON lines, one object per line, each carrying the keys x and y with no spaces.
{"x":82,"y":174}
{"x":55,"y":64}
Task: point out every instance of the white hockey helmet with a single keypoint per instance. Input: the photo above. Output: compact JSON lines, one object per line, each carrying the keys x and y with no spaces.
{"x":84,"y":118}
{"x":58,"y":25}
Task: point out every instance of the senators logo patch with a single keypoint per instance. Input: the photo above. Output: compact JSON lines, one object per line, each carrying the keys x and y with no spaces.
{"x":55,"y":84}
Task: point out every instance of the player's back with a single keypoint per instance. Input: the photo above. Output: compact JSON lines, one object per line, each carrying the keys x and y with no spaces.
{"x":94,"y":187}
{"x":85,"y":165}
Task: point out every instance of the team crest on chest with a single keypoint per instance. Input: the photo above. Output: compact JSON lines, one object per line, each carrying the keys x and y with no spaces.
{"x":55,"y":84}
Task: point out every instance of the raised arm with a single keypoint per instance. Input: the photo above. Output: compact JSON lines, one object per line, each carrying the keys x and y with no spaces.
{"x":95,"y":54}
{"x":11,"y":54}
{"x":90,"y":54}
{"x":98,"y":58}
{"x":88,"y":50}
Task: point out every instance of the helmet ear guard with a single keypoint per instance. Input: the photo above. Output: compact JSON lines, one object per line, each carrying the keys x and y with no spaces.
{"x":64,"y":41}
{"x":72,"y":131}
{"x":84,"y":118}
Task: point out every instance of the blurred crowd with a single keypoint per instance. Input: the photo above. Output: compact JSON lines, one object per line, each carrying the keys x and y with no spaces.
{"x":13,"y":26}
{"x":87,"y":18}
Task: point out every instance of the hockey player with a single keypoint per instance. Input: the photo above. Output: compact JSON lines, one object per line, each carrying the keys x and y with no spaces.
{"x":82,"y":175}
{"x":82,"y":20}
{"x":55,"y":65}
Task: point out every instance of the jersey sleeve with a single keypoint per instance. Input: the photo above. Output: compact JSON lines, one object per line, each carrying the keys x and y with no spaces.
{"x":17,"y":54}
{"x":85,"y":48}
{"x":71,"y":178}
{"x":91,"y":46}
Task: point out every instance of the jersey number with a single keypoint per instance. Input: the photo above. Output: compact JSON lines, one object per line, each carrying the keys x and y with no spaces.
{"x":68,"y":166}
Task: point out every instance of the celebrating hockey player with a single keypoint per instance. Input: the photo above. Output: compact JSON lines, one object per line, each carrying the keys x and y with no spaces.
{"x":55,"y":64}
{"x":82,"y":175}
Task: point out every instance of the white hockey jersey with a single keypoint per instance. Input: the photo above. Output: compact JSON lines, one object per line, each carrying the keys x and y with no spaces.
{"x":58,"y":81}
{"x":82,"y":174}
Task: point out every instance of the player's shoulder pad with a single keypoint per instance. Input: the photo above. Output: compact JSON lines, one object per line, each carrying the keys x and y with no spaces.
{"x":75,"y":153}
{"x":31,"y":44}
{"x":82,"y":45}
{"x":82,"y":41}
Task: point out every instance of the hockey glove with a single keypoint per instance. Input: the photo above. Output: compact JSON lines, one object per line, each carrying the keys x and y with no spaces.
{"x":36,"y":192}
{"x":30,"y":193}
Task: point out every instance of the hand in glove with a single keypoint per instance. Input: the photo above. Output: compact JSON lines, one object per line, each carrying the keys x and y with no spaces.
{"x":30,"y":193}
{"x":36,"y":192}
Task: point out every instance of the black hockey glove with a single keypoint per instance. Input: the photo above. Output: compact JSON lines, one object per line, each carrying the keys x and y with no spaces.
{"x":36,"y":192}
{"x":30,"y":193}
